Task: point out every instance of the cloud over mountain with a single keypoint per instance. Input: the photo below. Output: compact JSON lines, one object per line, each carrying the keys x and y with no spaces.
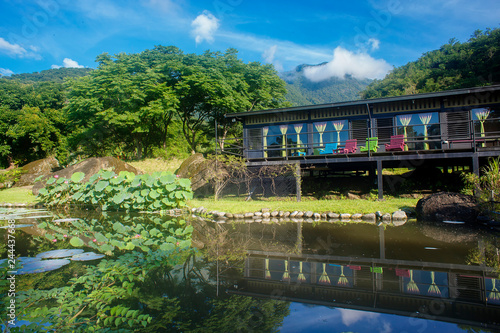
{"x":345,"y":62}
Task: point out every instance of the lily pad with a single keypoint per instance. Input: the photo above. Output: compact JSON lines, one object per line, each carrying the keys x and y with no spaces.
{"x":27,"y":260}
{"x":66,"y":220}
{"x":16,"y":226}
{"x":43,"y":266}
{"x":87,"y":256}
{"x":64,"y":253}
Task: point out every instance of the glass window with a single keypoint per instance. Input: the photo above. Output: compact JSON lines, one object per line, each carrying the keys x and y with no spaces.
{"x":325,"y":132}
{"x":281,"y":139}
{"x":421,"y":131}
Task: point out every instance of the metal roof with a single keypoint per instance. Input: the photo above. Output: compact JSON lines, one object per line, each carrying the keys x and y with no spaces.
{"x":477,"y":90}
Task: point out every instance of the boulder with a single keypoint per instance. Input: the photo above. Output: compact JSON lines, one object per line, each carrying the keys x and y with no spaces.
{"x":199,"y":170}
{"x":35,"y":169}
{"x":447,"y":206}
{"x":89,"y":167}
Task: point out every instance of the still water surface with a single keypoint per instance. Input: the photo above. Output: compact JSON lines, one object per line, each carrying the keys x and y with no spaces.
{"x":288,"y":277}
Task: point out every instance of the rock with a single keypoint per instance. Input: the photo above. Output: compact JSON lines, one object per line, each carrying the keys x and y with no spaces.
{"x":399,"y":215}
{"x":317,"y":216}
{"x":299,"y":215}
{"x":351,"y":196}
{"x":35,"y":169}
{"x":286,"y":214}
{"x":266,"y":215}
{"x":369,"y":217}
{"x":248,"y":215}
{"x":239,"y":216}
{"x":378,"y":213}
{"x":293,"y":214}
{"x":229,"y":215}
{"x":220,"y":214}
{"x":89,"y":167}
{"x":356,"y":216}
{"x":345,"y":216}
{"x":198,"y":169}
{"x":308,"y":214}
{"x":265,"y":210}
{"x":386,"y":217}
{"x":324,"y":216}
{"x":333,"y":215}
{"x":257,"y":214}
{"x":445,"y":206}
{"x":281,"y":213}
{"x":275,"y":213}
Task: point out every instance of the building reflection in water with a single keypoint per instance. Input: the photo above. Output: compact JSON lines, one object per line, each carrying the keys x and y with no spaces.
{"x":405,"y":270}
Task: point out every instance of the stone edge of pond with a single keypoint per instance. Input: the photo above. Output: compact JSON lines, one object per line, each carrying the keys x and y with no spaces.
{"x":267,"y":216}
{"x":21,"y":205}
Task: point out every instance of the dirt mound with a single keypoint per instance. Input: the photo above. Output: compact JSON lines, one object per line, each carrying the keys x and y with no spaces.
{"x":445,"y":206}
{"x":35,"y":169}
{"x":198,"y":169}
{"x":90,"y":167}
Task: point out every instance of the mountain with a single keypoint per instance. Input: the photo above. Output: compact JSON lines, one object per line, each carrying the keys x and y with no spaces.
{"x":453,"y":66}
{"x":50,"y":75}
{"x":302,"y":91}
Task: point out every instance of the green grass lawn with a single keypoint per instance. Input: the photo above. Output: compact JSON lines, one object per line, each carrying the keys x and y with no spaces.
{"x":362,"y":206}
{"x":17,"y":195}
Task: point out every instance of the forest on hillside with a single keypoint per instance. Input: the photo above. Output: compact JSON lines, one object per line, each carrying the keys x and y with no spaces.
{"x":163,"y":102}
{"x":159,"y":102}
{"x":454,"y":65}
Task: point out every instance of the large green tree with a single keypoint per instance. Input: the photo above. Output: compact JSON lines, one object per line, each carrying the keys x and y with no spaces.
{"x":131,"y":99}
{"x":32,"y":123}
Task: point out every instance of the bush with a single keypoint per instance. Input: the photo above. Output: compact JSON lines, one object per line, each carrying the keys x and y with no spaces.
{"x":125,"y":191}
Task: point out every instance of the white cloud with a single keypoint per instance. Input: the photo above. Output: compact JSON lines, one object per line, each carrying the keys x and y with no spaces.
{"x":350,"y":317}
{"x":204,"y":27}
{"x":16,"y":50}
{"x":5,"y":72}
{"x":344,"y":62}
{"x":68,"y":63}
{"x":269,"y":54}
{"x":375,"y":43}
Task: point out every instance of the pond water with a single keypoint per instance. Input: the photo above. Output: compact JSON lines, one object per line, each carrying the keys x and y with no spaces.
{"x":187,"y":274}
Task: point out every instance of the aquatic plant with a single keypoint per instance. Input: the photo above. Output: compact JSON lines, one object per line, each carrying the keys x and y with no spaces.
{"x":125,"y":191}
{"x":433,"y":288}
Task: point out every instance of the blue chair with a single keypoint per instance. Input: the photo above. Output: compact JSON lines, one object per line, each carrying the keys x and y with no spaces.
{"x":329,"y":148}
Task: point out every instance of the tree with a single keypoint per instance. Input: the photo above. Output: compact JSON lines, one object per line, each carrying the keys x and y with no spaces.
{"x":126,"y":100}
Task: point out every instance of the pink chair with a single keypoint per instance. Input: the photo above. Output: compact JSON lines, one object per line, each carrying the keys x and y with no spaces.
{"x":397,"y":143}
{"x":350,"y":147}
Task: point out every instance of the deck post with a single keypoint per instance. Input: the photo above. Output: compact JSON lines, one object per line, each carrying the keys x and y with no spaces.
{"x":475,"y":164}
{"x":380,"y":183}
{"x":298,"y":182}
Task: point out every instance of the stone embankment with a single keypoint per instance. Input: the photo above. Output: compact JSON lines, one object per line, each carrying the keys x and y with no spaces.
{"x":267,"y":216}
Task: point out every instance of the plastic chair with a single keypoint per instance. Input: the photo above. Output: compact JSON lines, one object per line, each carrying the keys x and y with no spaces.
{"x":371,"y":145}
{"x":329,"y":148}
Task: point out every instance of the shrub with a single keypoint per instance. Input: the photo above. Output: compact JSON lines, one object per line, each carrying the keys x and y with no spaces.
{"x":125,"y":191}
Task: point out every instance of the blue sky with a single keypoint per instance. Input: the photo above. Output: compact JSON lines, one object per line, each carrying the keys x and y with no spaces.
{"x":361,"y":38}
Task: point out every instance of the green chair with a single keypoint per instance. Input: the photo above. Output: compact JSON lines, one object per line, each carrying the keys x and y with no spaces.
{"x":371,"y":145}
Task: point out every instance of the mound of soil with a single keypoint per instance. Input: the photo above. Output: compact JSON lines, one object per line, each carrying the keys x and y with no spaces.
{"x":35,"y":169}
{"x":198,"y":169}
{"x":445,"y":206}
{"x":89,"y":167}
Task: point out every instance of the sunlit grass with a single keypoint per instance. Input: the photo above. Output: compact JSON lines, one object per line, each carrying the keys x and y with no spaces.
{"x":150,"y":165}
{"x":362,"y":206}
{"x":17,"y":195}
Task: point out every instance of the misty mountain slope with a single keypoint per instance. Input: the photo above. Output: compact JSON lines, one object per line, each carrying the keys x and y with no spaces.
{"x":302,"y":91}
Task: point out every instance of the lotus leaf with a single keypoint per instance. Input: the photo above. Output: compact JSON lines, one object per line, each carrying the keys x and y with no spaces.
{"x":55,"y":254}
{"x":77,"y":177}
{"x":87,"y":256}
{"x":71,"y":219}
{"x":101,"y":185}
{"x":76,"y":242}
{"x":41,"y":266}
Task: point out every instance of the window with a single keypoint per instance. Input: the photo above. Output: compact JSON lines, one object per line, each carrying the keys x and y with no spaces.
{"x":422,"y":130}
